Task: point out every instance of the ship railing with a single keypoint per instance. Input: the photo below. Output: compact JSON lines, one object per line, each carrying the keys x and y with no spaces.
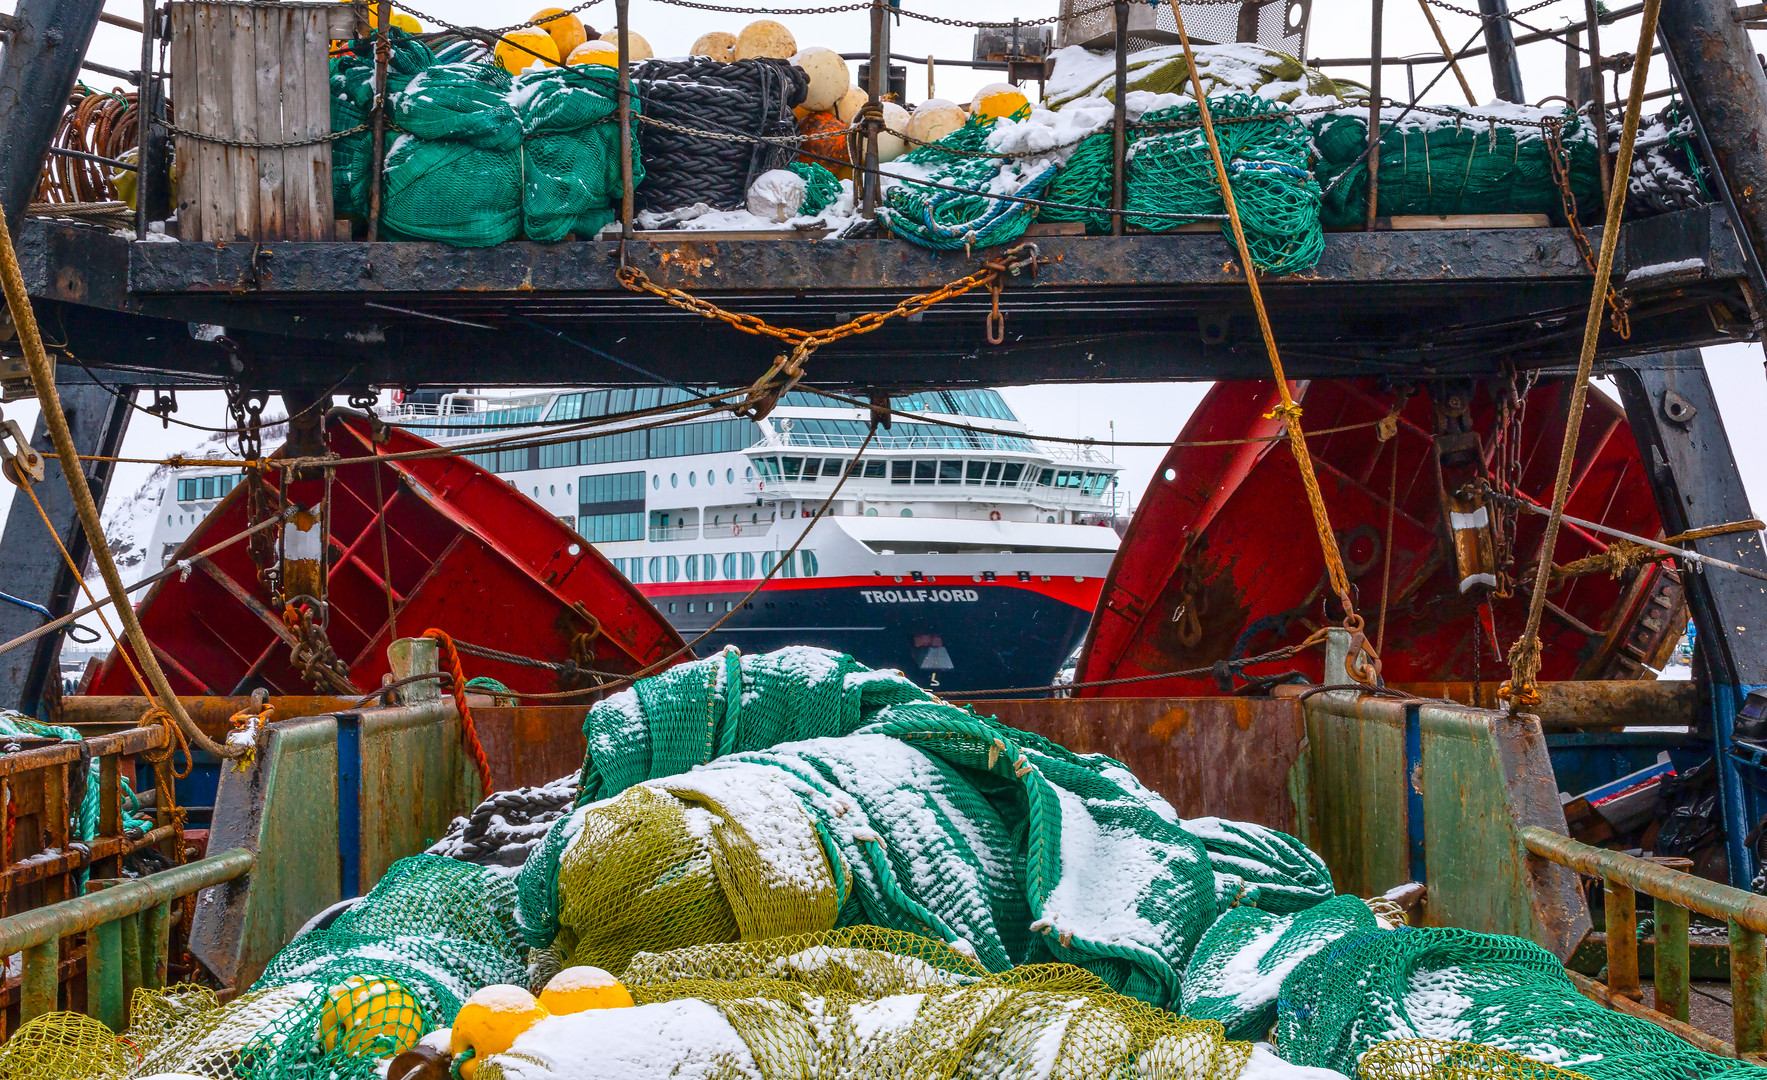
{"x":738,"y":530}
{"x":1675,"y":893}
{"x":665,"y":534}
{"x":127,"y":930}
{"x":1004,"y":442}
{"x":882,"y":489}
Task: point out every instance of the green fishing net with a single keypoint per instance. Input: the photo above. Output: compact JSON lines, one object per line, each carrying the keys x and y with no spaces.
{"x":1239,"y":966}
{"x":571,"y":153}
{"x":940,"y":218}
{"x":1170,"y":170}
{"x":465,"y":103}
{"x":1458,"y":163}
{"x":352,"y":96}
{"x":822,"y":188}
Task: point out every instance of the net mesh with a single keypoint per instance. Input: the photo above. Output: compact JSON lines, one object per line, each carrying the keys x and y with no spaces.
{"x":943,"y":219}
{"x":1414,"y":1059}
{"x":1456,"y":164}
{"x":866,"y":1002}
{"x":64,"y":1044}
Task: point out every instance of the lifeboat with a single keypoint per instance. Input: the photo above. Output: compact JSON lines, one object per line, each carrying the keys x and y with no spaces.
{"x":464,"y":551}
{"x":1222,"y":560}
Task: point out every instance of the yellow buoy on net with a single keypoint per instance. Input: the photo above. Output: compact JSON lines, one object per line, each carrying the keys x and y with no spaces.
{"x":595,"y":52}
{"x":636,"y":47}
{"x":490,"y":1022}
{"x":999,"y":99}
{"x":566,"y":30}
{"x":579,"y":989}
{"x":521,"y":49}
{"x":369,"y":1014}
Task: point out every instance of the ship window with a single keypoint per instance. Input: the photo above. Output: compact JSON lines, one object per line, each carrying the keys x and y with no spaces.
{"x":693,"y":479}
{"x":833,"y":466}
{"x":729,"y":566}
{"x":1046,"y":478}
{"x":611,"y":528}
{"x":168,"y":519}
{"x":647,"y":398}
{"x":674,"y":568}
{"x":656,"y":480}
{"x":925,"y":471}
{"x":711,"y":477}
{"x":793,"y":466}
{"x":708,"y":568}
{"x":1010,"y":474}
{"x":767,"y":561}
{"x":748,"y":564}
{"x":807,"y":559}
{"x":993,"y":473}
{"x":1049,"y":521}
{"x":674,"y":479}
{"x":729,"y":605}
{"x":811,"y":465}
{"x":788,"y":567}
{"x":552,"y":489}
{"x":671,"y":609}
{"x":950,"y":472}
{"x":730,"y":475}
{"x":906,"y":512}
{"x":901,"y":471}
{"x":693,"y":568}
{"x":690,"y":607}
{"x":874,"y":470}
{"x":656,"y":568}
{"x":754,"y":519}
{"x":974,"y":472}
{"x":871,"y":511}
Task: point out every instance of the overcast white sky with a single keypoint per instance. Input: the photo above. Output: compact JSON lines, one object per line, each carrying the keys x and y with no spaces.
{"x":1140,"y":412}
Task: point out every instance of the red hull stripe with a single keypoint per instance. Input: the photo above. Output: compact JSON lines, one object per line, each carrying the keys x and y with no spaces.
{"x":1082,"y":594}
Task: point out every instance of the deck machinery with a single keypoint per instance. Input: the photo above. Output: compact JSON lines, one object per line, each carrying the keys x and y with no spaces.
{"x":310,"y":318}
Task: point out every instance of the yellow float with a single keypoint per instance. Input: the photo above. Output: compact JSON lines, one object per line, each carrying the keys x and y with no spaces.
{"x":566,"y":30}
{"x":764,"y":37}
{"x":636,"y":47}
{"x":369,"y":1014}
{"x":997,"y":100}
{"x":521,"y":49}
{"x":490,"y":1022}
{"x":595,"y":52}
{"x":579,"y":989}
{"x":720,"y":45}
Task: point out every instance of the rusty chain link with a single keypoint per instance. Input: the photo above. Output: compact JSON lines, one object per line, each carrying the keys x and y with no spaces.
{"x":788,"y":368}
{"x":1558,"y":157}
{"x":312,"y":652}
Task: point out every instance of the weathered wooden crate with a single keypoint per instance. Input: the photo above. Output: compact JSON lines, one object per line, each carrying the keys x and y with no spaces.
{"x":247,"y":73}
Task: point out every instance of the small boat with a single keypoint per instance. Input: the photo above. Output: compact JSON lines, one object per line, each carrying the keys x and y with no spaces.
{"x":1222,"y":562}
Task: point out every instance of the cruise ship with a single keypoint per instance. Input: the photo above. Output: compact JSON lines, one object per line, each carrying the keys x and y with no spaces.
{"x":968,"y":559}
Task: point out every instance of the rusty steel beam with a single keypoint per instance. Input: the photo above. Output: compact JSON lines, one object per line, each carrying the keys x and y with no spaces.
{"x":1671,"y":960}
{"x":214,"y":715}
{"x":1566,"y":706}
{"x":1709,"y":898}
{"x":40,"y":926}
{"x":133,"y":741}
{"x":1727,"y":90}
{"x":38,"y":71}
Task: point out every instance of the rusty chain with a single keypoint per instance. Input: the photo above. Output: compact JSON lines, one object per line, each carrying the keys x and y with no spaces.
{"x":1558,"y":157}
{"x":788,"y":368}
{"x":312,"y":652}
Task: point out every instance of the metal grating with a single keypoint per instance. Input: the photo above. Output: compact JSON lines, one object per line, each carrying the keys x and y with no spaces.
{"x":1280,"y":24}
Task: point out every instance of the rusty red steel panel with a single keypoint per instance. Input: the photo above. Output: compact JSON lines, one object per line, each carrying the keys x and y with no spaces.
{"x":468,"y":554}
{"x":1210,"y":757}
{"x":1222,"y":559}
{"x":530,"y":745}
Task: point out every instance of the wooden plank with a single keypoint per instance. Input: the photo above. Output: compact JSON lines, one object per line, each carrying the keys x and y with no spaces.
{"x":269,"y":24}
{"x":297,"y":173}
{"x":1415,"y":222}
{"x":186,"y":98}
{"x":56,"y":819}
{"x":316,"y":87}
{"x":215,"y":92}
{"x":239,"y":65}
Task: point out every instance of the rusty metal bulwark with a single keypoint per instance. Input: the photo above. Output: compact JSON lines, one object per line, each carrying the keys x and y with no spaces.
{"x":45,"y":924}
{"x":1709,"y":898}
{"x":1210,"y":757}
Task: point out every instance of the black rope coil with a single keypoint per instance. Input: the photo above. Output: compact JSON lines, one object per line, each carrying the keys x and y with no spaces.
{"x":505,"y":827}
{"x":747,"y":97}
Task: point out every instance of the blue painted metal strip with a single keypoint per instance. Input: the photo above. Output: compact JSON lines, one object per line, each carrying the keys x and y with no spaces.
{"x":349,"y":804}
{"x":1737,"y":798}
{"x":1413,"y":797}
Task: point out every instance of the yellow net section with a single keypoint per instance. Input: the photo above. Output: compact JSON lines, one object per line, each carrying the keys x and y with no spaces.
{"x":1431,"y":1059}
{"x":650,"y":871}
{"x":64,"y":1044}
{"x":866,"y":1003}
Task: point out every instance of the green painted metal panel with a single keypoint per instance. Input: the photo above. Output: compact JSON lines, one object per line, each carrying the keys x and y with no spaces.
{"x":104,"y":975}
{"x":1359,"y":799}
{"x":283,"y":808}
{"x":1477,"y":874}
{"x":416,"y":779}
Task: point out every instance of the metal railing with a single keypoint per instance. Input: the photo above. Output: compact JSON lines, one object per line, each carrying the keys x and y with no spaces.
{"x":957,"y":441}
{"x":128,"y":931}
{"x":738,"y":529}
{"x":1676,"y":894}
{"x":660,"y":534}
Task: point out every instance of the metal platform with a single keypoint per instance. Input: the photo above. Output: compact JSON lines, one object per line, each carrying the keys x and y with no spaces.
{"x":1145,"y":307}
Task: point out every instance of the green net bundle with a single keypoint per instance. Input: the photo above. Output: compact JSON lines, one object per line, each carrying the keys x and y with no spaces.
{"x":476,"y":157}
{"x":885,"y":807}
{"x":939,"y":218}
{"x":821,"y":187}
{"x":1377,"y":986}
{"x":1170,"y":171}
{"x":867,"y":1003}
{"x":1452,"y":161}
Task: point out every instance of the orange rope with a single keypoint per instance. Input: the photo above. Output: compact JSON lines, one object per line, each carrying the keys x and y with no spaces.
{"x":469,"y":735}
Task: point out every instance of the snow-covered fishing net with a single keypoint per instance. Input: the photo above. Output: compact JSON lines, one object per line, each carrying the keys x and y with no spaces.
{"x":1413,"y":1059}
{"x":1240,"y":965}
{"x":1378,"y":986}
{"x":862,"y":1003}
{"x":831,"y":795}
